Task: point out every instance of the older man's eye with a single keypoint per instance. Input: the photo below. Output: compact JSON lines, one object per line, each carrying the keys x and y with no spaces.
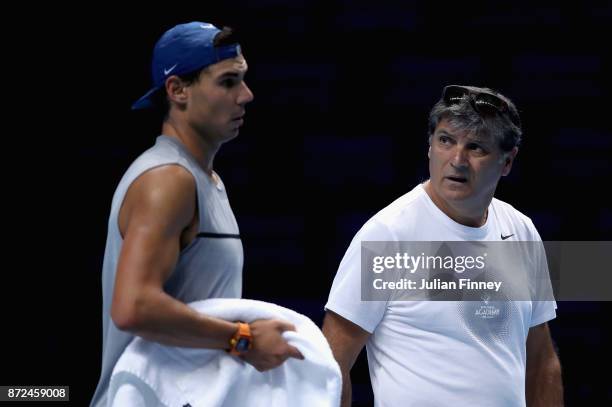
{"x":477,"y":148}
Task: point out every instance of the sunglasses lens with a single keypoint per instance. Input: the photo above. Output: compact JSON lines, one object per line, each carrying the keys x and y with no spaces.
{"x":491,"y":104}
{"x":487,"y":101}
{"x":454,"y":94}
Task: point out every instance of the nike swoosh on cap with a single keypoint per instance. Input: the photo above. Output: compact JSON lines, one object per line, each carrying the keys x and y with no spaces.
{"x":167,"y":71}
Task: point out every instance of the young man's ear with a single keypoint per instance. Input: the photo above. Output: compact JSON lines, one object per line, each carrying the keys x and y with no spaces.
{"x":508,"y":160}
{"x":176,"y":90}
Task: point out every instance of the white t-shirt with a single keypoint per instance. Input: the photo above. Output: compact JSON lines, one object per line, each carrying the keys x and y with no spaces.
{"x":439,"y":353}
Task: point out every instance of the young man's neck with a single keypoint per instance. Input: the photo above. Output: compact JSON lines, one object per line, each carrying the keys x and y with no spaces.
{"x":463,"y":213}
{"x":202,"y":150}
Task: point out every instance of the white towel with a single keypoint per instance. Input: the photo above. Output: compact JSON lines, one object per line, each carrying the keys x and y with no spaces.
{"x":151,"y":374}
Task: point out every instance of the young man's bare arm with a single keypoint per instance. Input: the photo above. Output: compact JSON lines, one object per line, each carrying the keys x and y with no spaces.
{"x":157,"y":209}
{"x":346,"y":341}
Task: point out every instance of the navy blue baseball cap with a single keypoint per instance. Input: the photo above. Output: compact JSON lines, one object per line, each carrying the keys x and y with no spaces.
{"x":183,"y":49}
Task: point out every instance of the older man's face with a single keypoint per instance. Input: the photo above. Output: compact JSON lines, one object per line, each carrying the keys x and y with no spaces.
{"x":464,"y":168}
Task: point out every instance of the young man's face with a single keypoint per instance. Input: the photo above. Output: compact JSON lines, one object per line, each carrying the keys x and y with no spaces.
{"x":465,"y":169}
{"x":216,"y":104}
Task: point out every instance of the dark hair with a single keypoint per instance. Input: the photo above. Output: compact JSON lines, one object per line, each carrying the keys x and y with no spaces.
{"x":161,"y":106}
{"x":463,"y":116}
{"x":226,"y":36}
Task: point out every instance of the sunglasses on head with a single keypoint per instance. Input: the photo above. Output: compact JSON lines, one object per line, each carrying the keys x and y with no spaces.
{"x":484,"y":103}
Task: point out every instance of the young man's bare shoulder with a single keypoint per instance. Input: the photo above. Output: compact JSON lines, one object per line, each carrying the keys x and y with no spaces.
{"x":165,"y":192}
{"x":165,"y":181}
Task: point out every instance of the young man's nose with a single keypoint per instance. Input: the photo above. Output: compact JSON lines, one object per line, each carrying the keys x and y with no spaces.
{"x":245,"y":95}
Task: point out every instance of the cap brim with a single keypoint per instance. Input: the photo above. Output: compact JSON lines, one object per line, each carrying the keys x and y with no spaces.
{"x":145,"y":102}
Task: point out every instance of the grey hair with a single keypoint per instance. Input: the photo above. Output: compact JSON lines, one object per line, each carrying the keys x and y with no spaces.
{"x":463,"y":117}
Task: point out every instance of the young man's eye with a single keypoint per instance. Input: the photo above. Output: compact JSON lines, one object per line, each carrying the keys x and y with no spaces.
{"x":228,"y":83}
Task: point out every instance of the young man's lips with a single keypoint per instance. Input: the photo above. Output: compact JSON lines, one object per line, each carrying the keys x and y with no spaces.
{"x":238,"y":121}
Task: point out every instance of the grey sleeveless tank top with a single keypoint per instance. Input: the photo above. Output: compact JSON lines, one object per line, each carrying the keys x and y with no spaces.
{"x":210,"y":267}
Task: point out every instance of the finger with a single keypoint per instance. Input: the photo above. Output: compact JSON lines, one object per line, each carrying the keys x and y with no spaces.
{"x":294,"y":353}
{"x":286,"y":326}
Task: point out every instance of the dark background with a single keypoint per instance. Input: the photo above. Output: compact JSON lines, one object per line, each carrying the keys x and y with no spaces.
{"x":338,"y":130}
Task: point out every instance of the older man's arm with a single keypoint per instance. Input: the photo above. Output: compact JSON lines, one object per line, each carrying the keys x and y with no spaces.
{"x":346,"y":340}
{"x":543,"y":385}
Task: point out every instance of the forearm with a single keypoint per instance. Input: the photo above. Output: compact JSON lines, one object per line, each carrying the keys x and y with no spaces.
{"x":544,"y":386}
{"x":347,"y":390}
{"x":158,"y":317}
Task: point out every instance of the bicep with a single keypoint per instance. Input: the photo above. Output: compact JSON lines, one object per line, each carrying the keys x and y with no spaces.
{"x":539,"y":344}
{"x":345,"y":338}
{"x":147,"y":257}
{"x":157,"y":208}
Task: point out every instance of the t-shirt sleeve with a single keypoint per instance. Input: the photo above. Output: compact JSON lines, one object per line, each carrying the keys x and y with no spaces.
{"x":543,"y":304}
{"x":345,"y":295}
